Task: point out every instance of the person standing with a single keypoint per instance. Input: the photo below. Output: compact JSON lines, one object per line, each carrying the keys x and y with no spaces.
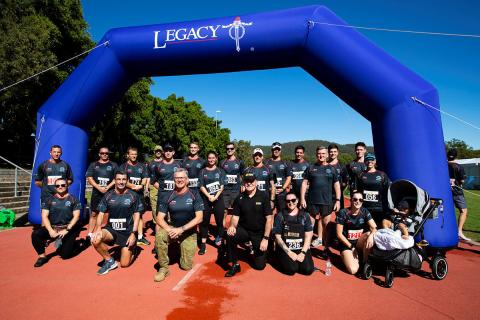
{"x":297,"y":168}
{"x":100,"y":175}
{"x":162,"y":177}
{"x":282,"y":177}
{"x":233,"y":168}
{"x":457,"y":178}
{"x":137,"y":174}
{"x":51,"y":170}
{"x":152,"y":167}
{"x":263,"y":175}
{"x":60,"y":214}
{"x":340,"y":169}
{"x":193,"y":163}
{"x":185,"y":210}
{"x":123,"y":206}
{"x":251,"y":221}
{"x":357,"y":166}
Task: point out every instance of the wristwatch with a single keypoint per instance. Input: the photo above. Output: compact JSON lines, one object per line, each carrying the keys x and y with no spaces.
{"x":266,"y":238}
{"x":303,"y":252}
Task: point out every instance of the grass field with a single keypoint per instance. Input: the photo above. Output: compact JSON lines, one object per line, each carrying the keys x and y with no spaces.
{"x":472,"y":226}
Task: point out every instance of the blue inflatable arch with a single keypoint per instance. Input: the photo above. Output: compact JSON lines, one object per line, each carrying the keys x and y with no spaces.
{"x":408,"y":138}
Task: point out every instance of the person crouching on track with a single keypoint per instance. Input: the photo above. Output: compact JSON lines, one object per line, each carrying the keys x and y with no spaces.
{"x":185,"y":209}
{"x":123,"y":206}
{"x":293,"y":232}
{"x":60,"y":214}
{"x":251,"y":221}
{"x":351,"y":223}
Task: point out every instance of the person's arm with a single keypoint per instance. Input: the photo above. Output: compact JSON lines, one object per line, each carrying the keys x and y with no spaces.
{"x":288,"y":182}
{"x":403,"y":228}
{"x":46,"y":223}
{"x":205,"y":192}
{"x":373,"y":229}
{"x":266,"y":233}
{"x":177,"y":232}
{"x":71,"y":224}
{"x":386,"y":224}
{"x":336,"y":186}
{"x":342,"y":238}
{"x":92,"y":182}
{"x":303,"y":191}
{"x":233,"y":225}
{"x":132,"y":239}
{"x":39,"y":176}
{"x":161,"y":221}
{"x":69,"y":175}
{"x":219,"y":192}
{"x":272,"y":190}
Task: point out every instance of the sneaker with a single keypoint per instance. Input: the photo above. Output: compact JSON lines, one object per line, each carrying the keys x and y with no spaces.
{"x":143,"y":242}
{"x":461,"y":236}
{"x":218,"y":241}
{"x":233,"y":271}
{"x":107,"y":266}
{"x":203,"y":249}
{"x":316,"y":243}
{"x":40,"y":262}
{"x":161,"y":275}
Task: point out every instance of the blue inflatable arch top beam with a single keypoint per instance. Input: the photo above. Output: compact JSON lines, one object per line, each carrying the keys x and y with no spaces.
{"x":408,"y":138}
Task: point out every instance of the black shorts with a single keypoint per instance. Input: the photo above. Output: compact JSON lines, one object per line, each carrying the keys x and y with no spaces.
{"x":280,"y":202}
{"x":95,"y":200}
{"x":341,"y":247}
{"x":229,"y":196}
{"x":119,"y":237}
{"x":322,"y":209}
{"x":459,"y":201}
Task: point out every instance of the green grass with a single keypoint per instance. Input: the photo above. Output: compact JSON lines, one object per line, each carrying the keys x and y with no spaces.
{"x":472,"y":226}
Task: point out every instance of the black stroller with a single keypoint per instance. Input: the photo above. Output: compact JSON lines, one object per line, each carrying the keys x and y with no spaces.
{"x":424,"y":208}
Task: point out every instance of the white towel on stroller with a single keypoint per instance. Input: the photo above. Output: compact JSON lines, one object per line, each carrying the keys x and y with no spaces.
{"x":387,"y":239}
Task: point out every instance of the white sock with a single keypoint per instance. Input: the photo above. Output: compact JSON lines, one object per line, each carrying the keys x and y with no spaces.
{"x":140,"y":236}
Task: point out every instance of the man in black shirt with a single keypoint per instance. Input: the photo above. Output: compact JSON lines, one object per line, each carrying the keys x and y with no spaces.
{"x":51,"y":170}
{"x":251,"y":221}
{"x":297,"y":168}
{"x":123,"y":206}
{"x":281,"y":175}
{"x":357,"y":166}
{"x":340,"y":168}
{"x":100,"y":176}
{"x":60,"y":214}
{"x":457,"y":178}
{"x":193,"y":163}
{"x":233,"y":168}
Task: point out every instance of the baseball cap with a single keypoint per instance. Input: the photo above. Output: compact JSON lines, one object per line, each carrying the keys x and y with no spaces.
{"x":452,"y":154}
{"x":157,"y":147}
{"x":249,"y":177}
{"x":257,"y":150}
{"x":168,"y":147}
{"x":277,"y":145}
{"x":370,"y":157}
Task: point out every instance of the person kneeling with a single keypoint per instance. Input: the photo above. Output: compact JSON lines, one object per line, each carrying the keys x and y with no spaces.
{"x":293,"y":232}
{"x":351,"y":223}
{"x":123,"y":206}
{"x":185,"y":209}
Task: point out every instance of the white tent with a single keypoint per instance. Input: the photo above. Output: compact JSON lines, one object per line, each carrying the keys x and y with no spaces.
{"x":472,"y":171}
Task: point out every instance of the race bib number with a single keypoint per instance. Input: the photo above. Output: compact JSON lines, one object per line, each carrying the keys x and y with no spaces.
{"x":51,"y":180}
{"x":371,"y":196}
{"x":193,"y":183}
{"x":213,"y":187}
{"x":118,"y":224}
{"x":294,"y":244}
{"x":103,"y":182}
{"x":135,"y":181}
{"x":231,"y":178}
{"x":354,"y":234}
{"x":297,"y":175}
{"x":261,"y":185}
{"x":279,"y":183}
{"x":169,"y":184}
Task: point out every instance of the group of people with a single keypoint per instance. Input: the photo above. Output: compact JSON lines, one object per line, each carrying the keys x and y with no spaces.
{"x":273,"y":206}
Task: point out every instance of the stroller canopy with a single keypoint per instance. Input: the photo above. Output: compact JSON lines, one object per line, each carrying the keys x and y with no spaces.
{"x":417,"y":198}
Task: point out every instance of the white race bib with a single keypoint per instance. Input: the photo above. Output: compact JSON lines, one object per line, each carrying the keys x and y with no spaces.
{"x":279,"y":183}
{"x":261,"y":185}
{"x":169,"y":184}
{"x":297,"y":175}
{"x":103,"y":182}
{"x":354,"y":234}
{"x":213,"y":187}
{"x":118,"y":224}
{"x":294,"y":244}
{"x":231,"y":178}
{"x":135,"y":181}
{"x":193,"y":182}
{"x":370,"y":196}
{"x":51,"y":180}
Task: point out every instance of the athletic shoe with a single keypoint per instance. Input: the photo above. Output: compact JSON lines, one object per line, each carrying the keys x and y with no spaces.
{"x":233,"y":271}
{"x":143,"y":242}
{"x":161,"y":275}
{"x":203,"y":249}
{"x":107,"y":266}
{"x":40,"y":262}
{"x":316,"y":243}
{"x":461,"y":236}
{"x":218,"y":241}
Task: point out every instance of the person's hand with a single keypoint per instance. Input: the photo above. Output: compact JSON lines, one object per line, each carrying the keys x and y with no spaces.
{"x":103,"y":189}
{"x":53,"y":234}
{"x":336,"y":207}
{"x":211,"y":198}
{"x":405,"y":236}
{"x":232,"y":231}
{"x":62,"y":233}
{"x":146,"y":192}
{"x":174,"y":233}
{"x":264,"y":245}
{"x":369,"y":243}
{"x":242,"y":189}
{"x":279,"y":190}
{"x":131,"y":240}
{"x":300,"y":257}
{"x":292,"y":255}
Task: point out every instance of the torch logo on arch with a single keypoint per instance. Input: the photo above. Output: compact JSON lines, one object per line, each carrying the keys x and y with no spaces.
{"x":237,"y":30}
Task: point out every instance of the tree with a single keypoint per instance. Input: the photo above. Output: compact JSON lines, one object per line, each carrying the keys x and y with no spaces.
{"x":463,"y":149}
{"x":244,"y":151}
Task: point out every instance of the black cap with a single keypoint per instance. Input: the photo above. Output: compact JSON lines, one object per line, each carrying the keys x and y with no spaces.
{"x":168,"y":147}
{"x":276,"y":145}
{"x":452,"y":154}
{"x":370,"y":157}
{"x":249,"y":177}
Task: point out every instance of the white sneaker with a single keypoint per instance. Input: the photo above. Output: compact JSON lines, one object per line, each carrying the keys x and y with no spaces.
{"x":462,"y":237}
{"x":316,"y":243}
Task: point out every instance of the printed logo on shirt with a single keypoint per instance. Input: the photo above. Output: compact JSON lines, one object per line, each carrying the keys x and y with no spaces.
{"x":127,"y":202}
{"x":236,"y":166}
{"x":109,"y":168}
{"x":62,"y":169}
{"x":189,"y":201}
{"x":378,"y":178}
{"x":258,"y":203}
{"x":68,"y":203}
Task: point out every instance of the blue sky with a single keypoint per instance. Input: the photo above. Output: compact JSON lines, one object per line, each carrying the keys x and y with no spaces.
{"x":451,"y":64}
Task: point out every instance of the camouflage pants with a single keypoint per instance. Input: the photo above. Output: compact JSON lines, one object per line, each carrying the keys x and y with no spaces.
{"x":188,"y":247}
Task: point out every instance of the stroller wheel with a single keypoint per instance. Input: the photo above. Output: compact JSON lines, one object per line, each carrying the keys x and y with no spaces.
{"x":389,"y":278}
{"x":439,"y":267}
{"x":367,"y":271}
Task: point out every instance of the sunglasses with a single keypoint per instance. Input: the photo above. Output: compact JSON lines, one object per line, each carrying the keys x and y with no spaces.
{"x":291,"y":200}
{"x":230,"y":148}
{"x":60,"y":185}
{"x":104,"y":153}
{"x":357,"y":199}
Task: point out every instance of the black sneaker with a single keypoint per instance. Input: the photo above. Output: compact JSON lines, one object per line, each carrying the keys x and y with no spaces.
{"x":233,"y":271}
{"x":143,"y":242}
{"x":203,"y":249}
{"x":40,"y":262}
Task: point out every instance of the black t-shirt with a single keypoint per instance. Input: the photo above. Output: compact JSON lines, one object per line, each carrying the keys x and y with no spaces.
{"x":60,"y":210}
{"x":252,"y":211}
{"x":120,"y":208}
{"x":48,"y":172}
{"x":283,"y":217}
{"x":164,"y":175}
{"x":354,"y":169}
{"x":135,"y":173}
{"x":456,"y":171}
{"x":193,"y":167}
{"x":211,"y":180}
{"x":374,"y":186}
{"x":233,"y":171}
{"x":296,"y":171}
{"x":354,"y":226}
{"x":280,"y":171}
{"x":263,"y":176}
{"x":102,"y":173}
{"x":181,"y":206}
{"x":152,"y":168}
{"x":321,"y":179}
